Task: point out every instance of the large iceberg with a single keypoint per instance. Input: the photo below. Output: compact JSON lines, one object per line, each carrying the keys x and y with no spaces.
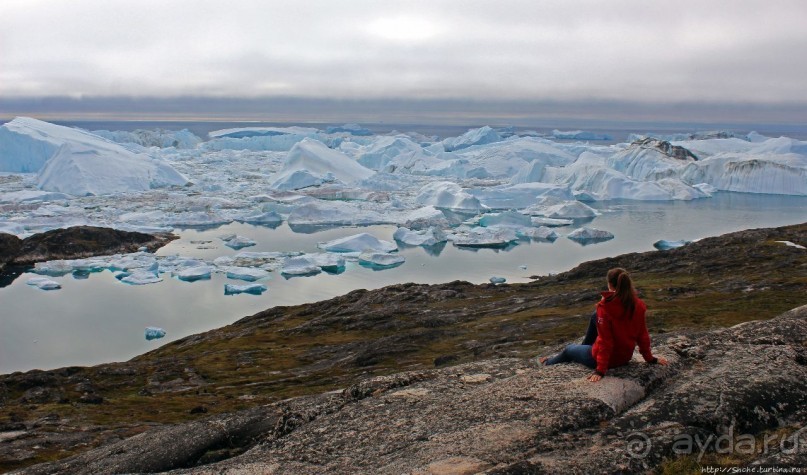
{"x":152,"y":138}
{"x":379,"y":153}
{"x":315,"y":159}
{"x":478,"y":136}
{"x":773,"y":173}
{"x":448,"y":195}
{"x":579,"y":135}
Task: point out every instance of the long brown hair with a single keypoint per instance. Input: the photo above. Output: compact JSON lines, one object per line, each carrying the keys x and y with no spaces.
{"x":619,"y":280}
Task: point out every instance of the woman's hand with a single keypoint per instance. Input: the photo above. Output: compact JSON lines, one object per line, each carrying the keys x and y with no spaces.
{"x":594,"y":377}
{"x":663,"y":361}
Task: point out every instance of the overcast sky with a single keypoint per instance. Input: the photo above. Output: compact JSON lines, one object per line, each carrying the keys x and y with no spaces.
{"x":730,"y":51}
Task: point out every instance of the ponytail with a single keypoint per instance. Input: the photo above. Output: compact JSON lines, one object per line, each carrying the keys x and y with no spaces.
{"x":619,"y":279}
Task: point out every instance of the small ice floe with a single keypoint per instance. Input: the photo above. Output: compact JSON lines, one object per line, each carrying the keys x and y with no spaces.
{"x":250,"y":274}
{"x":358,"y":243}
{"x":254,"y":289}
{"x":541,"y":233}
{"x":239,"y":242}
{"x":792,"y":244}
{"x":153,"y":333}
{"x":44,"y":283}
{"x":497,"y":280}
{"x":55,"y":268}
{"x":267,"y":218}
{"x":380,"y":259}
{"x":191,"y":274}
{"x":586,"y":235}
{"x":522,"y":267}
{"x":665,"y":245}
{"x":139,"y":277}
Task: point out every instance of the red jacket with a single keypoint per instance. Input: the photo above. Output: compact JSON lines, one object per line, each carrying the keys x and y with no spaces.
{"x":618,"y":333}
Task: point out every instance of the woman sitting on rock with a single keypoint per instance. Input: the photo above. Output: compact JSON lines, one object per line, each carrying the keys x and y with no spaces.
{"x":617,"y":326}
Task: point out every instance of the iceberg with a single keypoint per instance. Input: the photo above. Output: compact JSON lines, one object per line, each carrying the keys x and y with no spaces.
{"x":323,"y":212}
{"x":239,"y":242}
{"x":250,"y":274}
{"x":254,"y":289}
{"x":541,"y":233}
{"x":192,"y":274}
{"x":587,"y":235}
{"x":358,"y":243}
{"x":314,"y":159}
{"x":550,"y":222}
{"x":54,"y":268}
{"x":423,"y":237}
{"x":781,"y":174}
{"x":480,"y":136}
{"x":327,"y":261}
{"x":497,"y":280}
{"x":448,"y":195}
{"x":426,"y":217}
{"x":579,"y":135}
{"x":665,"y":245}
{"x":506,"y":218}
{"x":651,"y":159}
{"x":380,"y":259}
{"x":43,"y":283}
{"x":352,"y":129}
{"x":561,"y":209}
{"x":153,"y":333}
{"x":519,"y":196}
{"x":268,"y":218}
{"x":484,"y":237}
{"x":152,"y":138}
{"x":79,"y":170}
{"x":378,"y":154}
{"x":141,"y":277}
{"x":300,"y":266}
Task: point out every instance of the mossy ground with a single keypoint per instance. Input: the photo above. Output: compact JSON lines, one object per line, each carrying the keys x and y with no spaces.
{"x":293,"y":351}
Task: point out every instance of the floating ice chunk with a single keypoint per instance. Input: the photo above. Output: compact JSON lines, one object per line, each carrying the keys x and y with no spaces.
{"x":484,"y":237}
{"x":191,"y":274}
{"x":519,"y":196}
{"x":358,"y":243}
{"x":579,"y":135}
{"x":267,"y":218}
{"x":505,"y":218}
{"x":587,"y":235}
{"x":54,"y":268}
{"x":141,"y":277}
{"x":323,"y":212}
{"x":153,"y":333}
{"x":381,"y":259}
{"x":423,"y":237}
{"x":254,"y":289}
{"x":550,"y":222}
{"x":426,"y":217}
{"x":561,"y":209}
{"x":300,"y":266}
{"x":250,"y":274}
{"x":541,"y":233}
{"x":239,"y":242}
{"x":44,"y":283}
{"x":664,"y":245}
{"x":300,"y":179}
{"x":478,"y":136}
{"x":317,"y":160}
{"x":497,"y":280}
{"x":327,"y":261}
{"x":257,"y":259}
{"x":449,"y":195}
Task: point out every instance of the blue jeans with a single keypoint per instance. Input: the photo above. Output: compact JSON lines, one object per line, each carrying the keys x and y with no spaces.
{"x":574,"y":354}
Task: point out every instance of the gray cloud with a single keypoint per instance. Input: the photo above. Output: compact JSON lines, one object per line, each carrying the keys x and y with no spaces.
{"x":719,"y":51}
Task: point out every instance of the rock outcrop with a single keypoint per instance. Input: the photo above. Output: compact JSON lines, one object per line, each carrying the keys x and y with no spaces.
{"x":505,"y":416}
{"x":84,"y":241}
{"x":9,"y":248}
{"x":673,"y":151}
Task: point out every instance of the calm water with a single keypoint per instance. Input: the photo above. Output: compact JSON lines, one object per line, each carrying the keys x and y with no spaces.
{"x":100,"y":319}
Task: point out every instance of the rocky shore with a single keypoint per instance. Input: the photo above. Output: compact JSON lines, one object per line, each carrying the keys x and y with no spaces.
{"x":438,"y":379}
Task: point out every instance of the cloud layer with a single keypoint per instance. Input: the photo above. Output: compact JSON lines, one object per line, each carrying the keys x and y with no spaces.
{"x":720,"y":51}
